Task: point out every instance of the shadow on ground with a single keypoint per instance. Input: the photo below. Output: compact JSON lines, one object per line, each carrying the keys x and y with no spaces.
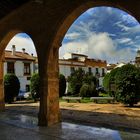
{"x":109,"y":120}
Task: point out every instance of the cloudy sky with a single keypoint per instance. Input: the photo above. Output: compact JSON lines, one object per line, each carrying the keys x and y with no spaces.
{"x":22,"y":40}
{"x":101,"y":33}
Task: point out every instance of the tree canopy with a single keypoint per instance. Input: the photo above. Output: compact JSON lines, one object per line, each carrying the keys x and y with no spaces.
{"x":35,"y":86}
{"x":81,"y":83}
{"x":127,"y":84}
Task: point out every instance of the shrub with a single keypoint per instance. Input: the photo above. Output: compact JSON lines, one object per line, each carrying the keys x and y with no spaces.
{"x":108,"y":80}
{"x":75,"y":81}
{"x":34,"y":85}
{"x":89,"y":79}
{"x":85,"y":90}
{"x":128,"y":84}
{"x":78,"y":79}
{"x":88,"y":90}
{"x":62,"y":85}
{"x":11,"y":87}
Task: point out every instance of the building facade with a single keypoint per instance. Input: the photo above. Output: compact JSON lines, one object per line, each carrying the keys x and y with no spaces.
{"x":74,"y":61}
{"x":21,"y":64}
{"x":137,"y":59}
{"x":24,"y":65}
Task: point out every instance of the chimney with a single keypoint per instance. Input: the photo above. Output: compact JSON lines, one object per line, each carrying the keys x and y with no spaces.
{"x":23,"y":50}
{"x":13,"y":49}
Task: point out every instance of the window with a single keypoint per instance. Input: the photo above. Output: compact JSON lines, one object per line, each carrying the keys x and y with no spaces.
{"x":97,"y":73}
{"x":28,"y":78}
{"x":27,"y":88}
{"x":89,"y":70}
{"x":26,"y":68}
{"x":72,"y":69}
{"x":103,"y":72}
{"x":97,"y":70}
{"x":10,"y":67}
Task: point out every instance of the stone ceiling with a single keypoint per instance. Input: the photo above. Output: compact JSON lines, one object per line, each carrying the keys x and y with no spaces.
{"x":7,"y":6}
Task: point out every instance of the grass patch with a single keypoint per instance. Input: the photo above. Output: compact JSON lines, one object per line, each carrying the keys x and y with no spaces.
{"x":86,"y":100}
{"x":104,"y":94}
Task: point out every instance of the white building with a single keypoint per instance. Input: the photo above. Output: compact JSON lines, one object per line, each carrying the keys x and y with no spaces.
{"x":74,"y":61}
{"x":21,"y":64}
{"x":24,"y":65}
{"x":137,"y":59}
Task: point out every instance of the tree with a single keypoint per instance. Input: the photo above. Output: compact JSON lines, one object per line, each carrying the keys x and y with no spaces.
{"x":109,"y":79}
{"x":128,"y":84}
{"x":75,"y":81}
{"x":62,"y":85}
{"x":34,"y":85}
{"x":80,"y":79}
{"x":85,"y":90}
{"x":11,"y":87}
{"x":88,"y":88}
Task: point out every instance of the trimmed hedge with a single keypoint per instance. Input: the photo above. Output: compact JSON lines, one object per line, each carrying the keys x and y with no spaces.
{"x":11,"y":87}
{"x":62,"y":85}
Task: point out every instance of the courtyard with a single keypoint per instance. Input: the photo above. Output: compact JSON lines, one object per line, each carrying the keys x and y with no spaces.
{"x":114,"y":116}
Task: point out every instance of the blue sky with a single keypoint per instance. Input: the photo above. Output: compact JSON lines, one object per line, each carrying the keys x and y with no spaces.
{"x":102,"y":33}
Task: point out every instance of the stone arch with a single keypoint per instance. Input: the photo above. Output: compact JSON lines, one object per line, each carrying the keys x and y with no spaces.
{"x":68,"y":18}
{"x":48,"y":22}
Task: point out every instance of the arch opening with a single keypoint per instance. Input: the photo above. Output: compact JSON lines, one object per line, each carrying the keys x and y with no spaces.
{"x":19,"y":58}
{"x":110,"y":34}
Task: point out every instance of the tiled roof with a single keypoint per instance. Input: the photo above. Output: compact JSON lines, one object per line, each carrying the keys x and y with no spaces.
{"x":18,"y":56}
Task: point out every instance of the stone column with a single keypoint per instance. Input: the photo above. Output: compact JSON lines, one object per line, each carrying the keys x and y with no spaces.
{"x":2,"y":103}
{"x":49,"y":113}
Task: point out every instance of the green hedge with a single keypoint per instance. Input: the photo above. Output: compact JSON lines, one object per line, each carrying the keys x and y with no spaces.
{"x":11,"y":87}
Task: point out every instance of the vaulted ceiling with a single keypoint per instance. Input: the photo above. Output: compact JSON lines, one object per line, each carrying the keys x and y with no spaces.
{"x":7,"y":6}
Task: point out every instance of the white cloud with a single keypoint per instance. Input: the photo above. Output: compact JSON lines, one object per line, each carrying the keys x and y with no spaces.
{"x":90,"y":11}
{"x":137,"y":37}
{"x":122,"y":26}
{"x":135,"y":29}
{"x":96,"y":46}
{"x":109,"y":10}
{"x":113,"y":35}
{"x":128,"y":18}
{"x":22,"y":42}
{"x":124,"y":41}
{"x":73,"y":47}
{"x":73,"y":35}
{"x":128,"y":30}
{"x":99,"y":46}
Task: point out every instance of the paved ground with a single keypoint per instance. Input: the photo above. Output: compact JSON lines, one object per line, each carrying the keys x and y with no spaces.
{"x":114,"y":116}
{"x":22,"y":127}
{"x":19,"y":122}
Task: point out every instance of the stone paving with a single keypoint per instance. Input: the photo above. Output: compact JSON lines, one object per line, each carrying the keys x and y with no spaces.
{"x":22,"y":127}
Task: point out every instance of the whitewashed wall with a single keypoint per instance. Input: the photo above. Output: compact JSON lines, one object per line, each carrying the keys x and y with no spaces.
{"x":19,"y":72}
